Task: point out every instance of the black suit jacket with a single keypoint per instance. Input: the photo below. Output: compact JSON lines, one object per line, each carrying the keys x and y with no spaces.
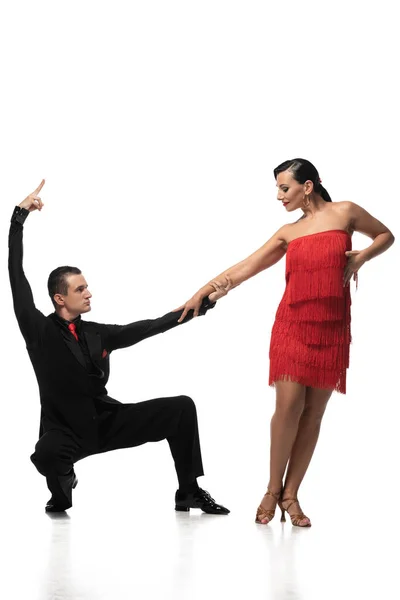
{"x":69,"y":394}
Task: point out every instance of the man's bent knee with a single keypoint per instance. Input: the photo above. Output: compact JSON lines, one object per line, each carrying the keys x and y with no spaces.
{"x":186,"y":402}
{"x":46,"y":458}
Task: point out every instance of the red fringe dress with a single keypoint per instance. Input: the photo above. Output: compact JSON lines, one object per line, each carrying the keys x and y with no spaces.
{"x":311,"y":337}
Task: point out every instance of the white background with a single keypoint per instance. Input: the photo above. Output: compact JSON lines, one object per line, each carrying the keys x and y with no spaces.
{"x":157,"y":126}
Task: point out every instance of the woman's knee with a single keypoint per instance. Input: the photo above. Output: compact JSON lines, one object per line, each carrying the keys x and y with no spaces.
{"x":316,"y":401}
{"x":315,"y":406}
{"x":290,"y":409}
{"x":313,"y":414}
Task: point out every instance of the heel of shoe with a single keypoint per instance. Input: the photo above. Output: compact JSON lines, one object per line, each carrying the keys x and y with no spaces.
{"x":75,"y":484}
{"x":182,"y":508}
{"x":296,"y":518}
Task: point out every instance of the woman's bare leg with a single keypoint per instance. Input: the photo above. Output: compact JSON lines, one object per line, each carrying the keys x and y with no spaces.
{"x":290,"y":402}
{"x":304,"y":445}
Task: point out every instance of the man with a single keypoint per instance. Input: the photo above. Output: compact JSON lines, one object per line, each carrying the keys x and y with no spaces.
{"x":71,"y":362}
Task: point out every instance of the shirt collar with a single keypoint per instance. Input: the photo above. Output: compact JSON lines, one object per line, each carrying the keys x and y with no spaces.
{"x":77,"y":321}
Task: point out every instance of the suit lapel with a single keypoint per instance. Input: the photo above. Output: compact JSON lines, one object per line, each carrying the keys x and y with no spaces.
{"x":72,"y":346}
{"x":93,"y":341}
{"x":94,"y":344}
{"x":77,"y":352}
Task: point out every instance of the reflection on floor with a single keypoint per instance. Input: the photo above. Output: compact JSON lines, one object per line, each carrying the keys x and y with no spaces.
{"x":144,"y":552}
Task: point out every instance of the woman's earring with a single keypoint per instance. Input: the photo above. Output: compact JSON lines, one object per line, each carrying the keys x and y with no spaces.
{"x":306,"y":201}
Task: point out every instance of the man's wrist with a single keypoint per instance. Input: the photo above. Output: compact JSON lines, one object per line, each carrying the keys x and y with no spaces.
{"x":19,"y":215}
{"x":207,"y":304}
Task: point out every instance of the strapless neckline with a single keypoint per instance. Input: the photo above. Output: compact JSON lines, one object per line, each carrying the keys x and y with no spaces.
{"x":301,"y":237}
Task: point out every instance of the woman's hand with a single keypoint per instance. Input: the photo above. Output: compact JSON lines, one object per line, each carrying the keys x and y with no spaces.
{"x":220,"y":289}
{"x":354,"y":263}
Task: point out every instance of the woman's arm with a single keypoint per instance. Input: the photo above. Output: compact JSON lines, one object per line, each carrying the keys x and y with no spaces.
{"x":365,"y":223}
{"x":362,"y":222}
{"x":263,"y":258}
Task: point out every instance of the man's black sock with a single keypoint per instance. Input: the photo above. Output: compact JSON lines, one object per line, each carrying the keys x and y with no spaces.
{"x":189,"y":488}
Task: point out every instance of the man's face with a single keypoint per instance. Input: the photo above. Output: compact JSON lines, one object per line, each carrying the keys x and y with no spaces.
{"x":77,"y":300}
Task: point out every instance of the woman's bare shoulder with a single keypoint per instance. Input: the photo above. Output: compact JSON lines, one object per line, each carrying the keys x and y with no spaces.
{"x":288,"y":231}
{"x":347,"y":211}
{"x":343,"y":206}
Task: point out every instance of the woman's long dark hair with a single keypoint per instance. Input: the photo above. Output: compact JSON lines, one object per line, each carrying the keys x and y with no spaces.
{"x":302,"y":171}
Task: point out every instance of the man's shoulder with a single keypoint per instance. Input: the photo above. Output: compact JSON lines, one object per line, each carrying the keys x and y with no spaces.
{"x":52,"y":317}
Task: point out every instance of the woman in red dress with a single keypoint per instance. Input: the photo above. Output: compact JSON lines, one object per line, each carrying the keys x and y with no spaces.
{"x":309,"y":350}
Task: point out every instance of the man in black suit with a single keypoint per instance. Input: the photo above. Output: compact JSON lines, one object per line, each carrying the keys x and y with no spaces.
{"x":70,"y":358}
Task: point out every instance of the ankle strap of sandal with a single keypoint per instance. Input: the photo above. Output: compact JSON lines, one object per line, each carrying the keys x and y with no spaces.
{"x":275,"y":495}
{"x":291,"y":500}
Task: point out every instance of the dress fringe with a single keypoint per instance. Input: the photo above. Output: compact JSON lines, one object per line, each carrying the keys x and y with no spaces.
{"x":311,"y":335}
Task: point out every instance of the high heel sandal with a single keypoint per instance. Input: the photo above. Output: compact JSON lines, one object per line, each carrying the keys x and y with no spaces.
{"x":295,"y":518}
{"x":264,"y":513}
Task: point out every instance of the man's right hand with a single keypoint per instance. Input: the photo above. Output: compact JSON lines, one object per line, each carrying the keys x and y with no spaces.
{"x":193,"y":304}
{"x":33,"y":201}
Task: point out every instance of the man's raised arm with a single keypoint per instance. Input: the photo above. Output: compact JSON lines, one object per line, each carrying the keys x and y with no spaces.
{"x":24,"y":306}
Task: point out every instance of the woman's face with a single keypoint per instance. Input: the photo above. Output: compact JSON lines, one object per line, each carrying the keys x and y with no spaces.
{"x":290,"y":192}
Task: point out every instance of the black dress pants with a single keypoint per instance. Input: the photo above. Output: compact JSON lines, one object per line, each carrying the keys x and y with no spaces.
{"x":124,"y":426}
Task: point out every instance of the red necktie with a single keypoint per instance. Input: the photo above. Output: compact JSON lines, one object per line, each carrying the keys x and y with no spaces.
{"x":72,"y":328}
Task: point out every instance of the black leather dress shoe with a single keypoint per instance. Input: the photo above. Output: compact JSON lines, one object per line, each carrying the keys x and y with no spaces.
{"x":61,"y":504}
{"x":199,"y":499}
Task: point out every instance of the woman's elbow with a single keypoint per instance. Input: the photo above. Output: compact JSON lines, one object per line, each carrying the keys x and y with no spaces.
{"x":390,"y":238}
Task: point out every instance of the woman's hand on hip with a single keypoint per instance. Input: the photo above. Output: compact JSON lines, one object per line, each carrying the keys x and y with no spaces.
{"x":354,"y":263}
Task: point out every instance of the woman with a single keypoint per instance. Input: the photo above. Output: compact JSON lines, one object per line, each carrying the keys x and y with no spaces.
{"x":309,"y":350}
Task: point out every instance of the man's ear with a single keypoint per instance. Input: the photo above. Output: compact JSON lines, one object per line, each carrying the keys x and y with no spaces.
{"x":59,"y":299}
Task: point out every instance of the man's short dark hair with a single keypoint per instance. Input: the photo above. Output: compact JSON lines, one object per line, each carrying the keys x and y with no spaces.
{"x":57,"y":282}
